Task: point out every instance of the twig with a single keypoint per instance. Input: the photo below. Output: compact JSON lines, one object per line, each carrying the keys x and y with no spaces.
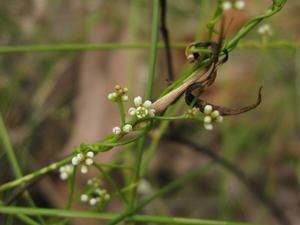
{"x":239,"y":174}
{"x":165,"y":36}
{"x":18,"y":192}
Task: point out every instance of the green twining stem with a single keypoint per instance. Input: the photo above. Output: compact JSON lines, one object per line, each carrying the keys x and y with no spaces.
{"x":155,"y":219}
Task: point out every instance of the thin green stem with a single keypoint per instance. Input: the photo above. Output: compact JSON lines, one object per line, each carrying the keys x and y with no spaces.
{"x":4,"y":138}
{"x":170,"y":187}
{"x":25,"y":219}
{"x":116,"y":166}
{"x":112,"y":182}
{"x":217,"y":16}
{"x":71,"y":185}
{"x":9,"y":149}
{"x":107,"y":216}
{"x":148,"y":95}
{"x":273,"y":9}
{"x":153,"y":49}
{"x":122,"y":111}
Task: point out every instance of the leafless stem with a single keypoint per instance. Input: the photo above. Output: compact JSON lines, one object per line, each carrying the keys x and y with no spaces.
{"x":165,"y":37}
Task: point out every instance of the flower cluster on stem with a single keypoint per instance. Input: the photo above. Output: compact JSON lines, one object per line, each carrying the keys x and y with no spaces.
{"x":84,"y":160}
{"x":119,"y":94}
{"x":95,"y":195}
{"x":141,"y":109}
{"x":210,"y":117}
{"x":65,"y":171}
{"x":265,"y":30}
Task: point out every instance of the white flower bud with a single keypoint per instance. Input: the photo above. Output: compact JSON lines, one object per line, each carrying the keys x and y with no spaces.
{"x":127,"y":128}
{"x":147,"y":104}
{"x":138,"y":101}
{"x":239,"y":5}
{"x":90,"y":154}
{"x":125,"y":98}
{"x":69,"y":168}
{"x":63,"y":176}
{"x":93,"y":201}
{"x":116,"y":130}
{"x":215,"y":114}
{"x":75,"y":161}
{"x":207,"y":119}
{"x":89,"y":161}
{"x":84,"y":169}
{"x":112,"y":96}
{"x":79,"y":156}
{"x":227,"y":5}
{"x":219,"y":119}
{"x":208,"y":109}
{"x":131,"y":111}
{"x":208,"y":126}
{"x":84,"y":198}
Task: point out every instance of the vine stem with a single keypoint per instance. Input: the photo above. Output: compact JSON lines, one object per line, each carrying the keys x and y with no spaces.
{"x":4,"y":138}
{"x":148,"y":95}
{"x":112,"y":46}
{"x":169,"y":187}
{"x":106,"y":216}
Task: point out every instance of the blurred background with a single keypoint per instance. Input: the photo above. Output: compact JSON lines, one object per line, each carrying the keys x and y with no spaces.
{"x":52,"y":101}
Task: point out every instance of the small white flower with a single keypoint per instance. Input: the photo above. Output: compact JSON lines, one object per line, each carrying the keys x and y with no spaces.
{"x":208,"y":126}
{"x":90,"y":154}
{"x":89,"y":162}
{"x":75,"y":161}
{"x":80,"y":156}
{"x":239,"y":5}
{"x":63,"y":176}
{"x":112,"y":96}
{"x":84,"y":198}
{"x":138,"y":101}
{"x":84,"y":169}
{"x":227,"y":5}
{"x":65,"y":171}
{"x":132,"y":111}
{"x":144,"y":187}
{"x":219,"y":119}
{"x":116,"y":130}
{"x":207,"y":119}
{"x":127,"y":128}
{"x":265,"y":29}
{"x":215,"y":114}
{"x":208,"y":109}
{"x":125,"y":98}
{"x":93,"y":201}
{"x":147,"y":104}
{"x":141,"y":112}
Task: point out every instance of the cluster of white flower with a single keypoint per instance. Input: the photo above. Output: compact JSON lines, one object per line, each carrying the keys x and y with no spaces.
{"x":98,"y":196}
{"x":120,"y":93}
{"x":126,"y":129}
{"x":191,"y":113}
{"x":83,"y":160}
{"x":65,"y":171}
{"x":95,"y":194}
{"x":141,"y":109}
{"x":211,"y":116}
{"x":238,"y":4}
{"x":265,"y":29}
